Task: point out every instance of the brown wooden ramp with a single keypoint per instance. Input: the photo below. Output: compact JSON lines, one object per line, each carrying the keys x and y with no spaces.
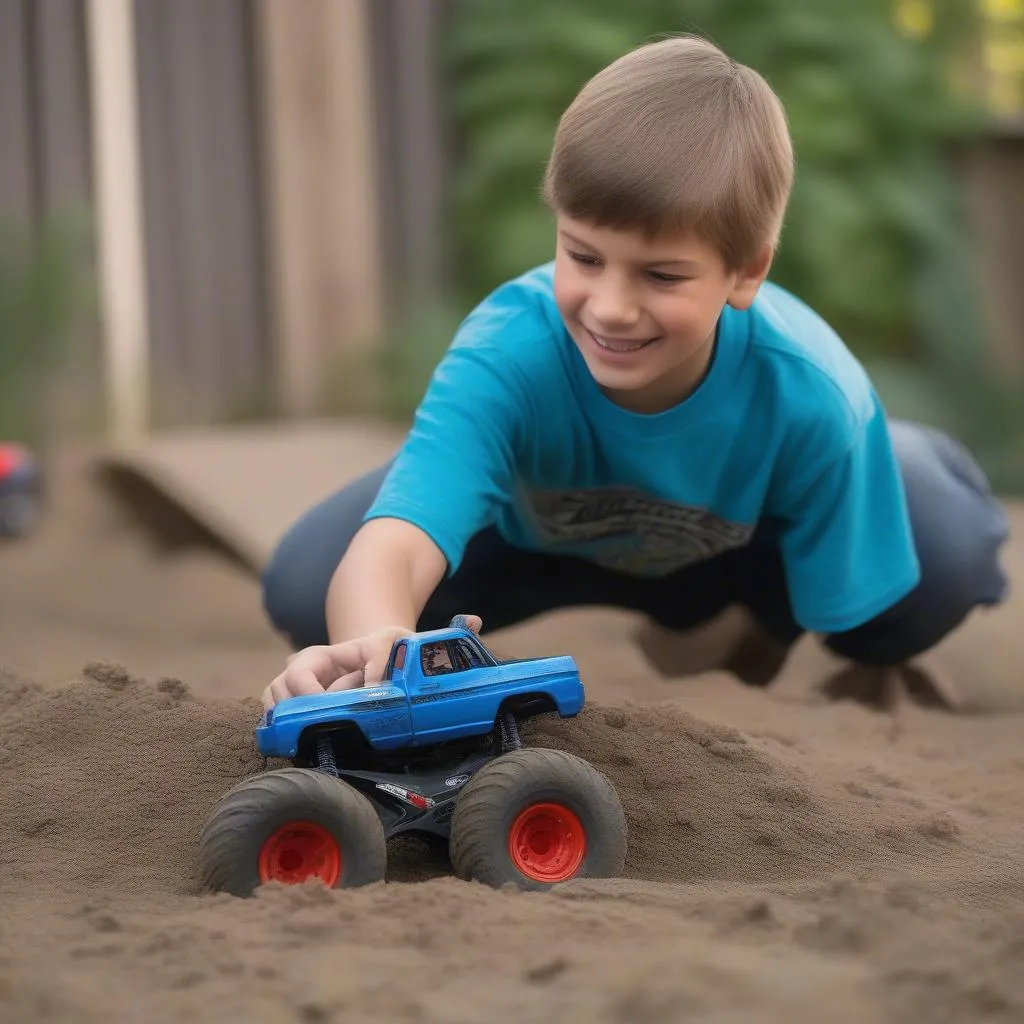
{"x":240,"y":488}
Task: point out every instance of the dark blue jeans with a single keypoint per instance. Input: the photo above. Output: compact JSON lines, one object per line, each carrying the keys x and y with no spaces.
{"x":958,"y":528}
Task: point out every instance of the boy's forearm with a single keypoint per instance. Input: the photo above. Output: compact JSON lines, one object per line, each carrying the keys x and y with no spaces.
{"x":385,"y":579}
{"x":357,"y":608}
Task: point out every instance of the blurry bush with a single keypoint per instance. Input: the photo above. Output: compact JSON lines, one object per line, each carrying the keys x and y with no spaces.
{"x":868,"y":109}
{"x":875,"y":236}
{"x":41,"y":290}
{"x":411,"y":349}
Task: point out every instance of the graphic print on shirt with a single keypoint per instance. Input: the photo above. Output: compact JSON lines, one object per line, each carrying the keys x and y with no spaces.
{"x":630,"y":531}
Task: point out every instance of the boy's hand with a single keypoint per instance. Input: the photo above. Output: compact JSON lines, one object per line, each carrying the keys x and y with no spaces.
{"x":343,"y":666}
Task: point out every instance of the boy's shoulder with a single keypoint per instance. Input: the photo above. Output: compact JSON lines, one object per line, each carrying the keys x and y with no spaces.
{"x":513,"y":333}
{"x":810,"y":363}
{"x":524,"y":304}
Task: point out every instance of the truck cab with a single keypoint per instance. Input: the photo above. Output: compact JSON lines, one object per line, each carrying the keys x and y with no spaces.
{"x":439,"y":685}
{"x":449,"y":677}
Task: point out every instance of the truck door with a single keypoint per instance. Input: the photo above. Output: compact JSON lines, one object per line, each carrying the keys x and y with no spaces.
{"x":388,"y":721}
{"x":445,"y":698}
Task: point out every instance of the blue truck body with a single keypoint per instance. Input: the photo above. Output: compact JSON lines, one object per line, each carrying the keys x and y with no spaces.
{"x":420,"y":703}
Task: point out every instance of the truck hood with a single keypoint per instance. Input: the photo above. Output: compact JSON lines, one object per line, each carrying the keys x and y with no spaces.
{"x":336,"y":701}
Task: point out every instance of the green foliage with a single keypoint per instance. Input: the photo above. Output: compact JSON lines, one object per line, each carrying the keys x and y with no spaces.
{"x":874,"y":236}
{"x":408,"y":355}
{"x":868,"y":110}
{"x":955,"y":385}
{"x":40,"y":291}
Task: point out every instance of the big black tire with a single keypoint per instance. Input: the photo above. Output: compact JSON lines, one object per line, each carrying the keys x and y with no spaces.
{"x":535,"y":818}
{"x":288,"y":826}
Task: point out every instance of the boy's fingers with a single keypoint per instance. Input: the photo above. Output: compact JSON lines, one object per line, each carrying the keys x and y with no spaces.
{"x":349,"y":681}
{"x":276,"y":692}
{"x":300,"y":681}
{"x":375,"y":670}
{"x":330,"y":667}
{"x":341,"y":659}
{"x":324,"y":665}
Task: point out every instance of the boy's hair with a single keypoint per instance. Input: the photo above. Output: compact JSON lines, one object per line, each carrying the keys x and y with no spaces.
{"x":676,"y":136}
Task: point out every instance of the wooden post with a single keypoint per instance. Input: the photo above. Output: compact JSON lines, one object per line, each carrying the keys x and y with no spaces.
{"x":314,"y":71}
{"x":119,"y":222}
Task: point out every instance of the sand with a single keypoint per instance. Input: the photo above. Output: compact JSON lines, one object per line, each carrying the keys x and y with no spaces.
{"x":790,"y":858}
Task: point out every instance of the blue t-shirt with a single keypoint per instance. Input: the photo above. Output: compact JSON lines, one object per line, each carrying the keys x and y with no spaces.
{"x":785,"y":430}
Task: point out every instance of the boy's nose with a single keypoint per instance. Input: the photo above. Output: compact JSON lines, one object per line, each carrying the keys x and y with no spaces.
{"x":614,"y":308}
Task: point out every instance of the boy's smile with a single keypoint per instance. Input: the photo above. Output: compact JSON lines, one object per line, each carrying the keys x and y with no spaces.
{"x":643,"y":313}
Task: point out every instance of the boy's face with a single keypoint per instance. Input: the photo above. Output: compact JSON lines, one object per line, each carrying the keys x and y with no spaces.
{"x":642,"y":313}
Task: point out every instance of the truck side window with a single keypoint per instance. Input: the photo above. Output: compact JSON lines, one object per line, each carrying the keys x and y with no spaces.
{"x":469,"y":655}
{"x":434,"y":659}
{"x":400,"y":656}
{"x":458,"y":657}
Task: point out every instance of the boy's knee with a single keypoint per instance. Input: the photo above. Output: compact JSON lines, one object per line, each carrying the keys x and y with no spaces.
{"x":289,"y":601}
{"x":952,"y":585}
{"x":957,"y":577}
{"x":296,"y":579}
{"x":275,"y":590}
{"x":959,"y":529}
{"x":958,"y":524}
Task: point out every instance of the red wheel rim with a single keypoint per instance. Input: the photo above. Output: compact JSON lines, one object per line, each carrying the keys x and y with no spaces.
{"x":299,"y":851}
{"x":547,"y":842}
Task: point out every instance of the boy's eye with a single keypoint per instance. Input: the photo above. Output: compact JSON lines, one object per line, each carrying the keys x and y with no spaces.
{"x":655,"y":275}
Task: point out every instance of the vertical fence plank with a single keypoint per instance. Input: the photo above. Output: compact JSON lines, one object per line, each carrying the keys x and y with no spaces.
{"x":16,"y":200}
{"x":992,"y":172}
{"x":411,"y":144}
{"x":321,"y":193}
{"x":204,"y":244}
{"x":61,"y":113}
{"x":111,"y":43}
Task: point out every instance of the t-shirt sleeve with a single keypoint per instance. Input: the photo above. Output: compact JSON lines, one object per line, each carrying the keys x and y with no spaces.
{"x":846,"y":542}
{"x":455,"y":468}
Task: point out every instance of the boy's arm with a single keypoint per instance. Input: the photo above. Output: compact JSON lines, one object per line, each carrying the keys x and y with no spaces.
{"x":447,"y":482}
{"x":454,"y":471}
{"x":375,"y":596}
{"x":385,"y":579}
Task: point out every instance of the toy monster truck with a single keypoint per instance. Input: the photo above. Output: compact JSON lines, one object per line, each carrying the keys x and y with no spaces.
{"x":435,"y":750}
{"x":21,"y":491}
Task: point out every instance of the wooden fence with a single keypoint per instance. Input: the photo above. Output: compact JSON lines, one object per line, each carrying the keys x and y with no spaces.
{"x":266,"y":178}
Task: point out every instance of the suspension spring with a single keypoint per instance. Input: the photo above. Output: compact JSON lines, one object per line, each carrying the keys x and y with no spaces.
{"x":509,"y":732}
{"x":325,"y":756}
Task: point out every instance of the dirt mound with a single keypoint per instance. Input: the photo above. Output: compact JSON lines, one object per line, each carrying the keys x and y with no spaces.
{"x":805,"y":855}
{"x":762,"y":880}
{"x":95,"y":766}
{"x":706,"y":802}
{"x":111,"y":778}
{"x":108,"y":780}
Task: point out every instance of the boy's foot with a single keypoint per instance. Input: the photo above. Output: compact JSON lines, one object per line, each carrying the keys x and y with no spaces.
{"x":755,"y":657}
{"x":887,"y":687}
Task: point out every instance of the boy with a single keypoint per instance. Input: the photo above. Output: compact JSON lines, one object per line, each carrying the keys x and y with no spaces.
{"x":648,"y":424}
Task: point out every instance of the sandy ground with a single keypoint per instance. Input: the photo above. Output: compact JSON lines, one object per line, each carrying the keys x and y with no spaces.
{"x":790,"y":858}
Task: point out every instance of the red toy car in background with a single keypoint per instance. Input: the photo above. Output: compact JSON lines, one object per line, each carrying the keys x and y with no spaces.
{"x":21,"y":491}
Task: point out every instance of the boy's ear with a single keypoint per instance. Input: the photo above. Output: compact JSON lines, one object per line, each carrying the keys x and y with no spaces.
{"x":749,"y":278}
